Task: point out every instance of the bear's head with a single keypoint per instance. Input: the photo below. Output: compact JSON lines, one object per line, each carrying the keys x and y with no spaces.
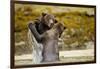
{"x":48,"y":19}
{"x":59,"y":28}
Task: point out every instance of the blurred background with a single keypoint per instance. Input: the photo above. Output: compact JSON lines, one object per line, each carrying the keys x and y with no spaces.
{"x":78,"y":38}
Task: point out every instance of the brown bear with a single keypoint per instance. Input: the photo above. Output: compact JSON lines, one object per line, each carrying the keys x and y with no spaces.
{"x":36,"y":28}
{"x":50,"y":43}
{"x":49,"y":40}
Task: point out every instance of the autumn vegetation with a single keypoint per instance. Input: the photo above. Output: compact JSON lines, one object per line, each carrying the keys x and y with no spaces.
{"x":79,"y":22}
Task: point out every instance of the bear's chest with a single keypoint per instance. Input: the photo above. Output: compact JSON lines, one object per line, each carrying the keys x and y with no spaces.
{"x":51,"y":34}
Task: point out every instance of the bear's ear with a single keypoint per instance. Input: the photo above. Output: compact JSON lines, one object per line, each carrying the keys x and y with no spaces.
{"x":43,"y":13}
{"x":56,"y":21}
{"x":64,"y":28}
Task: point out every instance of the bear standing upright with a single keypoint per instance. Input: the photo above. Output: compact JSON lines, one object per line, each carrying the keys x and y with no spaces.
{"x":39,"y":26}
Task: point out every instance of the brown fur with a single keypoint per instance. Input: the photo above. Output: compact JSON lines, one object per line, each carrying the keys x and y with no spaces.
{"x":50,"y":43}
